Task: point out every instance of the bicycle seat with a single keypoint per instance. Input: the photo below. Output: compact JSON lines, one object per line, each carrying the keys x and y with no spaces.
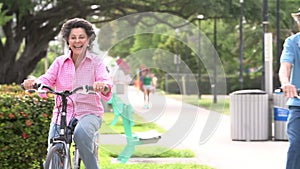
{"x":72,"y":124}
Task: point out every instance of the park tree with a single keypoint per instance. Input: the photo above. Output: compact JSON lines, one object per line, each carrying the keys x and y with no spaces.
{"x":29,"y":25}
{"x":26,"y":36}
{"x":36,"y":22}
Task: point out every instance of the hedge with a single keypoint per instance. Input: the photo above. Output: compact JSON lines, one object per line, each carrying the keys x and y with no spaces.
{"x":24,"y":121}
{"x":232,"y":84}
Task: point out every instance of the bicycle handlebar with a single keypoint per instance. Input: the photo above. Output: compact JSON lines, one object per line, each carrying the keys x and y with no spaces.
{"x":64,"y":135}
{"x":280,"y":91}
{"x":38,"y":87}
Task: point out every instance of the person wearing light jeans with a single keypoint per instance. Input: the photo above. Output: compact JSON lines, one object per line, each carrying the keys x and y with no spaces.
{"x":289,"y":75}
{"x":76,"y":68}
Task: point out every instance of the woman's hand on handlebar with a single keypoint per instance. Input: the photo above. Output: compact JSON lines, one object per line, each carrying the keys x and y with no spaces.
{"x":28,"y":84}
{"x":101,"y":87}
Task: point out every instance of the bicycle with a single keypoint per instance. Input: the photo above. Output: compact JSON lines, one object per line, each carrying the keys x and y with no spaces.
{"x":58,"y":156}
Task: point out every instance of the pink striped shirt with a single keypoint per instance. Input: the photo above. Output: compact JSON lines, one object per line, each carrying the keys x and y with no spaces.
{"x":63,"y":76}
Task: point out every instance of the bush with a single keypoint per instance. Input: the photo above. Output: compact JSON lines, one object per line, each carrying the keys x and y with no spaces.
{"x":24,"y":121}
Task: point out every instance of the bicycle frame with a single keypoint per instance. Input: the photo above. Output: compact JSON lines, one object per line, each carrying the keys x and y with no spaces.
{"x":64,"y":140}
{"x":63,"y":130}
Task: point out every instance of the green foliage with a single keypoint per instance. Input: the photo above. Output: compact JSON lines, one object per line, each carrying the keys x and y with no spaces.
{"x":32,"y":14}
{"x":227,"y":35}
{"x":3,"y":17}
{"x":24,"y":121}
{"x":23,"y":6}
{"x":10,"y":88}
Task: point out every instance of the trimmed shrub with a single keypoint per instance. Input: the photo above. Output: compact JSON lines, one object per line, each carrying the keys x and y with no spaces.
{"x":24,"y":121}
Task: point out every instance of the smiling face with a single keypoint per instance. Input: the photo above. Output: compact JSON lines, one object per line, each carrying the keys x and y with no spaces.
{"x":78,"y":41}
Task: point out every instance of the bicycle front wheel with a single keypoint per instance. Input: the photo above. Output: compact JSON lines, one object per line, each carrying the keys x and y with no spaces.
{"x":76,"y":159}
{"x":56,"y":157}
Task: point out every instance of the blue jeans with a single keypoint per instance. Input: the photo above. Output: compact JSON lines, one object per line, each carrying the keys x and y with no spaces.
{"x":293,"y":133}
{"x":84,"y":134}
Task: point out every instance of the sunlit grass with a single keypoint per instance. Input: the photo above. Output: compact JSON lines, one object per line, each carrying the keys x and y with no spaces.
{"x":106,"y":157}
{"x":206,"y":101}
{"x":139,"y":125}
{"x":107,"y":152}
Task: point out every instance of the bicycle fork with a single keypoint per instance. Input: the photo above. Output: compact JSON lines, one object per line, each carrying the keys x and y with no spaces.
{"x":76,"y":158}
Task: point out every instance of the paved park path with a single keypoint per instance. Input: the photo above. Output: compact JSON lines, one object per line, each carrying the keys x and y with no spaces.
{"x":185,"y":123}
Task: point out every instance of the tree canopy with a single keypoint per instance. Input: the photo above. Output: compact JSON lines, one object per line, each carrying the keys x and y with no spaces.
{"x":29,"y":25}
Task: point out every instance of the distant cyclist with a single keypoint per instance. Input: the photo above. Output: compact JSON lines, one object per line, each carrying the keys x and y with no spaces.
{"x":76,"y":68}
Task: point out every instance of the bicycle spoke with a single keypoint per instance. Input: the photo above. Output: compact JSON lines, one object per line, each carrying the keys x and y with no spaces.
{"x":55,"y":158}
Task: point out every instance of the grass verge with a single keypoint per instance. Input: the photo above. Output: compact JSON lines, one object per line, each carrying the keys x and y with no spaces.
{"x":106,"y":156}
{"x":107,"y":152}
{"x":139,"y":125}
{"x":206,"y":101}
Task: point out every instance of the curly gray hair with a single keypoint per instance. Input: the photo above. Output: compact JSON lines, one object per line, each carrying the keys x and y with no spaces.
{"x":78,"y":23}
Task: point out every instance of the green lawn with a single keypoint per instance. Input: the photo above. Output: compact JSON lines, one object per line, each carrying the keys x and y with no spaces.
{"x":105,"y":162}
{"x":140,"y":151}
{"x":139,"y":125}
{"x":206,"y":101}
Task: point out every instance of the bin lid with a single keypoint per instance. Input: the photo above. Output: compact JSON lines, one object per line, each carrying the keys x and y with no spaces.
{"x":248,"y":91}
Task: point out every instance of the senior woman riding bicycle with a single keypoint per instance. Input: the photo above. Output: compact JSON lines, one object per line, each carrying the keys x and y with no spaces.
{"x":76,"y":68}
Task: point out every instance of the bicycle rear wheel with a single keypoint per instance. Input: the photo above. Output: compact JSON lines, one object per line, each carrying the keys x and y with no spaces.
{"x":56,"y":157}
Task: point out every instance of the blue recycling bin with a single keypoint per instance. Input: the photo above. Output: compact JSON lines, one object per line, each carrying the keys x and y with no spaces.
{"x":280,"y":119}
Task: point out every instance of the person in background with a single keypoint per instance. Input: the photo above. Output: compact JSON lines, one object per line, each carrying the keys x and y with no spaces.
{"x":76,"y":68}
{"x":147,"y":87}
{"x":154,"y":83}
{"x":290,"y":82}
{"x":141,"y":76}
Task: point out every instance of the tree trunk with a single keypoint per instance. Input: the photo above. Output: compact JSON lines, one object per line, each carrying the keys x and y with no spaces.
{"x":17,"y":62}
{"x":17,"y":71}
{"x":28,"y":36}
{"x":35,"y":23}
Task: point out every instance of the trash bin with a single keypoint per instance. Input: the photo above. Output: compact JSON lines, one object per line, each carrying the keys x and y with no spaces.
{"x":249,"y":115}
{"x":281,"y":113}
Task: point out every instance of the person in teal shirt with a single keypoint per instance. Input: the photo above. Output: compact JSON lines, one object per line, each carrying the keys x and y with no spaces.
{"x":289,"y":75}
{"x":147,"y":87}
